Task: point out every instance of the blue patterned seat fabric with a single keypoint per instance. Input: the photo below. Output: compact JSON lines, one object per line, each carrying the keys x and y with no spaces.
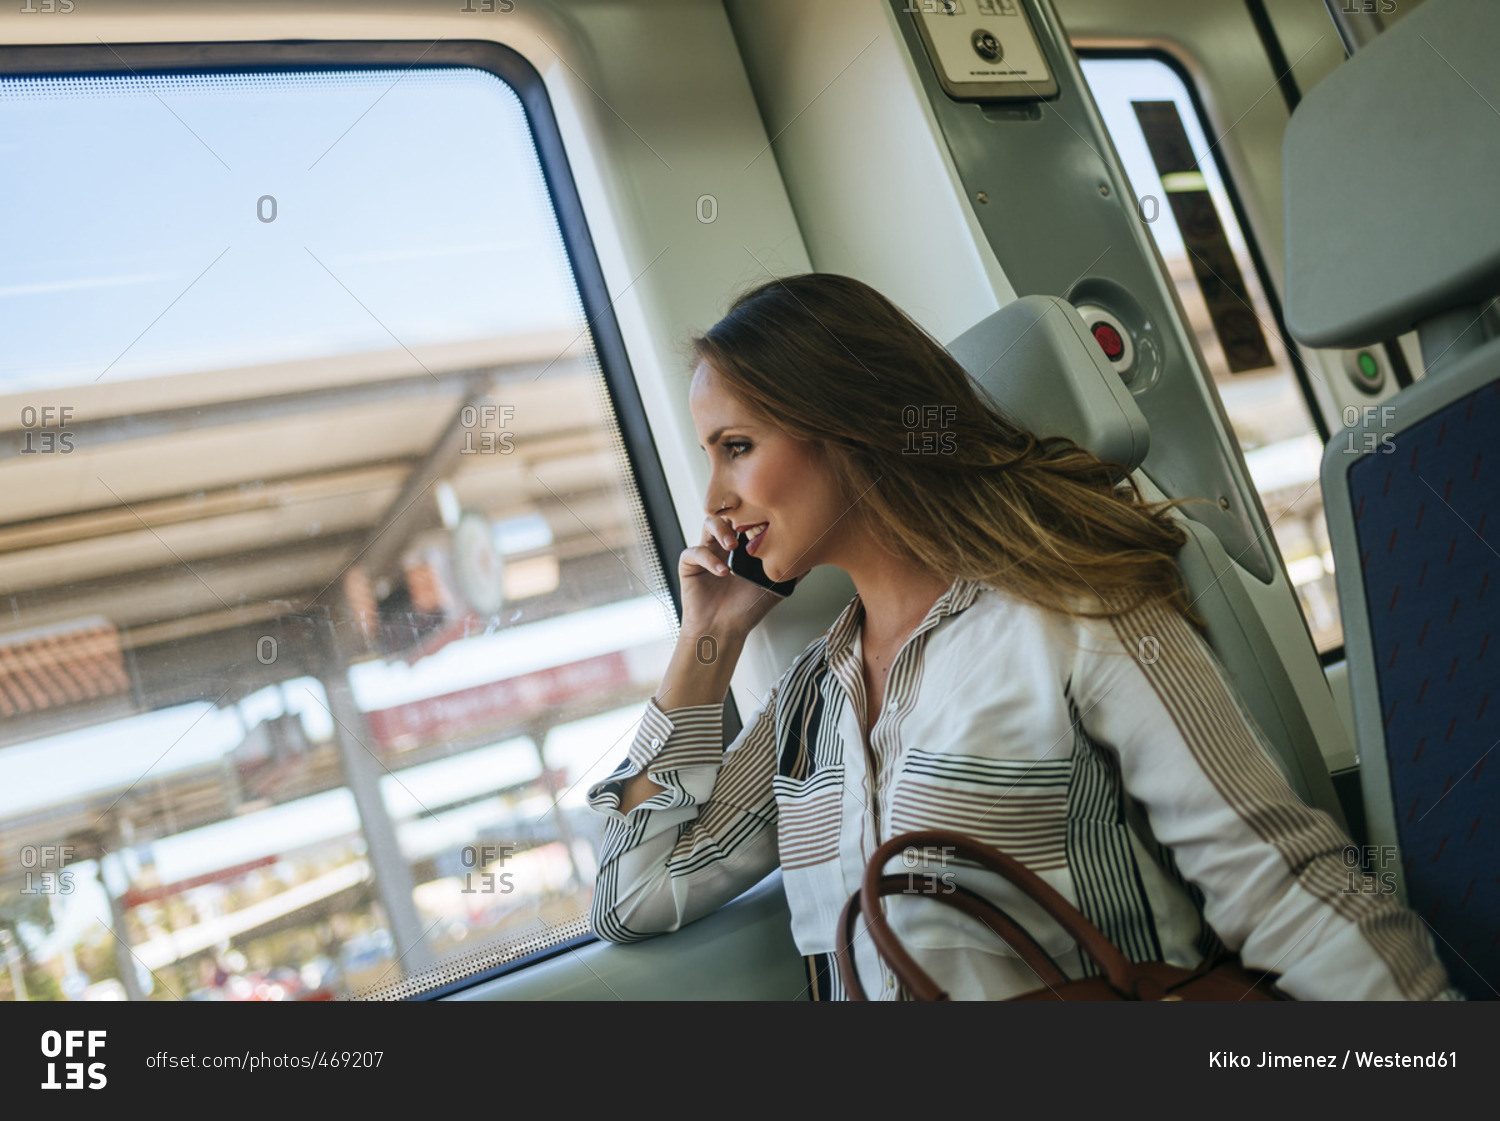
{"x":1427,"y":519}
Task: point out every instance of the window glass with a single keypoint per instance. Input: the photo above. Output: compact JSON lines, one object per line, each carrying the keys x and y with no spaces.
{"x":1183,"y":200}
{"x":327,"y":585}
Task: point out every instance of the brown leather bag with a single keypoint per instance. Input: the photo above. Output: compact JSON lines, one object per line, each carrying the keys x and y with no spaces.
{"x":1222,"y":978}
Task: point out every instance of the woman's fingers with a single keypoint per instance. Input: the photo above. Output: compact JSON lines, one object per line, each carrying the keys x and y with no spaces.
{"x":720,"y":530}
{"x":704,"y":557}
{"x":719,"y":540}
{"x":740,"y":601}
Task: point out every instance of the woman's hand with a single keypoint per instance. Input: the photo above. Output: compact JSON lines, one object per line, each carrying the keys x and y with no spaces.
{"x":714,"y":600}
{"x":717,"y":605}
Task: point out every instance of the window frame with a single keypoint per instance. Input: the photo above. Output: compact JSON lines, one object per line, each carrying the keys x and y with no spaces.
{"x":1231,"y":188}
{"x":1334,"y":654}
{"x":517,"y":72}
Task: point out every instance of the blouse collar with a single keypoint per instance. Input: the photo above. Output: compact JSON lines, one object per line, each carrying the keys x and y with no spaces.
{"x":960,"y":595}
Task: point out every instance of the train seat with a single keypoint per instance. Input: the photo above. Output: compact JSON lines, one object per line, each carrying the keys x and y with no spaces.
{"x":1412,"y":488}
{"x":1037,"y":361}
{"x":1412,"y":494}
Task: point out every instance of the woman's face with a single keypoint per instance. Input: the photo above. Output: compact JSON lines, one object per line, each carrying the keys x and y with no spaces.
{"x":759,"y":475}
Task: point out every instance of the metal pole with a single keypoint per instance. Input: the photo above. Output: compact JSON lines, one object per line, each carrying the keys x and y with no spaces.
{"x":124,"y":959}
{"x":362,"y":775}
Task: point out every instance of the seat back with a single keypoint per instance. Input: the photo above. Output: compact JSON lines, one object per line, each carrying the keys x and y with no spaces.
{"x":1389,"y":165}
{"x":1411,"y":491}
{"x":1412,"y":495}
{"x":1036,"y":360}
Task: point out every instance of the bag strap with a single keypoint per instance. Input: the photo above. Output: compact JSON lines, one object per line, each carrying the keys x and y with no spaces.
{"x":970,"y":903}
{"x":1121,"y":973}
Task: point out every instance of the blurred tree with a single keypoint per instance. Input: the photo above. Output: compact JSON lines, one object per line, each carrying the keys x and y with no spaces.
{"x":29,"y":909}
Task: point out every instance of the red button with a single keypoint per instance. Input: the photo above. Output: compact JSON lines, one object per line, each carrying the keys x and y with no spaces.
{"x":1109,"y":339}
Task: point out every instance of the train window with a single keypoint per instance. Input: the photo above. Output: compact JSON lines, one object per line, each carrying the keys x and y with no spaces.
{"x":328,"y":585}
{"x":1187,"y":206}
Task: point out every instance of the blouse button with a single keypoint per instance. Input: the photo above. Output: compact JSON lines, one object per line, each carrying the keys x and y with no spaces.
{"x":890,"y":982}
{"x":656,"y":742}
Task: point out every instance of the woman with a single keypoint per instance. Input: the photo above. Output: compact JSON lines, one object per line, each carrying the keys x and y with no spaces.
{"x":992,"y":676}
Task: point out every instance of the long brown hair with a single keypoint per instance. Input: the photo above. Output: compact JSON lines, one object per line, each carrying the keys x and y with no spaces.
{"x":924,"y":456}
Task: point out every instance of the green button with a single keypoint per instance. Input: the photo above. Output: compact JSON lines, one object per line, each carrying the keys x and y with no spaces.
{"x":1367,"y":365}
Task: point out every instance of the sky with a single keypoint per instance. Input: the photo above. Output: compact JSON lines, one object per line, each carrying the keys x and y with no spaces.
{"x":416,"y":194}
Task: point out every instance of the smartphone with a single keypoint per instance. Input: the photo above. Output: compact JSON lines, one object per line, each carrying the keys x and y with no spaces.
{"x":743,"y":563}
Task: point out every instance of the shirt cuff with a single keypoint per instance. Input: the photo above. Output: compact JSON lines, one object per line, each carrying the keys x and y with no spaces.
{"x":692,"y":736}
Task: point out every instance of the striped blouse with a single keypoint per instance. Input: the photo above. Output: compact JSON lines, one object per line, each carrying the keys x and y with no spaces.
{"x":1110,"y":757}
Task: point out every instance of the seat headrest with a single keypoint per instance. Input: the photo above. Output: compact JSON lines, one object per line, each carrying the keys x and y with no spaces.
{"x":1390,"y":166}
{"x":1038,"y":362}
